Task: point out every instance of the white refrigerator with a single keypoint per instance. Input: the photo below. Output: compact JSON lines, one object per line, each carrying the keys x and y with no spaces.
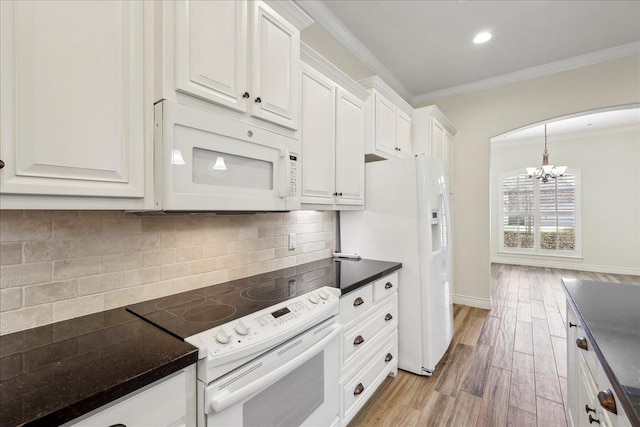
{"x":406,"y":219}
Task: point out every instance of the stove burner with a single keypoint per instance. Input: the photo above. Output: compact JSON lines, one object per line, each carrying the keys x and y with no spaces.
{"x":179,"y":302}
{"x":219,"y":289}
{"x":208,"y":313}
{"x":271,"y":291}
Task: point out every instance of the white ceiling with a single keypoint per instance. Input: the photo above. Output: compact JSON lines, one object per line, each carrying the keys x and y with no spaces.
{"x":424,"y":49}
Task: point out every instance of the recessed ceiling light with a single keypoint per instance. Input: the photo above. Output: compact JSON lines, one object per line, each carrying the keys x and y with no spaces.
{"x":482,"y":37}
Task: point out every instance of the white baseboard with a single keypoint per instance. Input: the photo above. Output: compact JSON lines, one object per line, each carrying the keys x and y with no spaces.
{"x":472,"y":301}
{"x":566,"y":265}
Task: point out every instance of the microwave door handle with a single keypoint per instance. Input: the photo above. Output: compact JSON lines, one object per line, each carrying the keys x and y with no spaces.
{"x":225,"y":399}
{"x":284,"y":191}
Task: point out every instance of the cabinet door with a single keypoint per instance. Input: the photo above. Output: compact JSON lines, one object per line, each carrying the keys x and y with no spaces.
{"x":211,"y":51}
{"x":448,"y":164}
{"x":72,"y":98}
{"x":403,"y":134}
{"x":275,"y":67}
{"x":318,"y":137}
{"x":438,"y":140}
{"x":384,"y":125}
{"x":349,"y":149}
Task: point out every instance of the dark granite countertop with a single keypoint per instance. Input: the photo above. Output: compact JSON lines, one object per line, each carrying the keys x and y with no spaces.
{"x":55,"y":373}
{"x":52,"y":374}
{"x":352,"y":274}
{"x":610,"y":314}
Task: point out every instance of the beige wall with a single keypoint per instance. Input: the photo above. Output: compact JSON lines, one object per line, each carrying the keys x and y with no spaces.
{"x":58,"y":265}
{"x":320,"y":40}
{"x":481,"y":115}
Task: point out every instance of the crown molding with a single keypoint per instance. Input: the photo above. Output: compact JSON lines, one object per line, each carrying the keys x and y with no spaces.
{"x":322,"y":15}
{"x":375,"y":82}
{"x":434,"y":111}
{"x":291,"y":12}
{"x":531,"y":73}
{"x":321,"y":64}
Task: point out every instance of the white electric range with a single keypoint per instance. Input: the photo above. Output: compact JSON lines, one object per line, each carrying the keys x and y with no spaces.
{"x":268,"y":349}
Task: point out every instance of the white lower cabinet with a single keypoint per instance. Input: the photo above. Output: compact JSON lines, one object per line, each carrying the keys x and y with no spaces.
{"x":169,"y":402}
{"x":591,"y":399}
{"x":369,"y":342}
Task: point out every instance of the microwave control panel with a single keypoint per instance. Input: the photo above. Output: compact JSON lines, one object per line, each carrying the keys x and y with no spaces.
{"x":293,"y":175}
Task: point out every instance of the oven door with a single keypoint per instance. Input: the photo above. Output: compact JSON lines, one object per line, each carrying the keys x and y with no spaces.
{"x":206,"y":162}
{"x":295,"y":384}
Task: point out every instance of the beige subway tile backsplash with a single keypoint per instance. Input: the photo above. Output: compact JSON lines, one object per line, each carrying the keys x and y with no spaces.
{"x":56,"y":265}
{"x":24,"y":274}
{"x":10,"y":253}
{"x":50,"y":292}
{"x":10,"y":299}
{"x":44,"y":250}
{"x":77,"y":267}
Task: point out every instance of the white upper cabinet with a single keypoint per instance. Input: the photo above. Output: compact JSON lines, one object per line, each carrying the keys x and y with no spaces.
{"x":349,"y":148}
{"x":388,"y":122}
{"x":403,"y":134}
{"x":332,"y":133}
{"x":211,"y":51}
{"x":432,"y":134}
{"x":384,"y":125}
{"x":73,"y":116}
{"x":241,"y":55}
{"x":275,"y":60}
{"x":318,"y":137}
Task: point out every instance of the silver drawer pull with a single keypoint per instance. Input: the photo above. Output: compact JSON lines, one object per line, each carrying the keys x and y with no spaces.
{"x":388,"y":357}
{"x":358,"y":301}
{"x":359,"y":340}
{"x":359,"y":389}
{"x":388,"y":317}
{"x":388,"y":285}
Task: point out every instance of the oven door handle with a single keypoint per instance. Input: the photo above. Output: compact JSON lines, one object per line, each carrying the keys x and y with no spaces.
{"x":225,"y":399}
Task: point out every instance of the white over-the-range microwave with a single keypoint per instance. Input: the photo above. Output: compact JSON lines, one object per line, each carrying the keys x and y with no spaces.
{"x":206,"y":162}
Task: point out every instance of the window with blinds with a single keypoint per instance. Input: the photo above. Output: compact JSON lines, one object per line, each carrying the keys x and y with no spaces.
{"x":538,"y":217}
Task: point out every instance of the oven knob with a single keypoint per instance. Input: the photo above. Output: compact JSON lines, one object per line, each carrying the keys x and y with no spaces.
{"x":241,"y":328}
{"x":323,"y":294}
{"x":222,"y":336}
{"x":313,"y":298}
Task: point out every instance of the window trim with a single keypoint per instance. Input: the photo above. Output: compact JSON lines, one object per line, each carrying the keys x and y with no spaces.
{"x":537,"y":251}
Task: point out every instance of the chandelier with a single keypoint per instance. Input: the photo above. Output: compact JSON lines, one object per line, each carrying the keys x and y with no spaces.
{"x":546,"y":171}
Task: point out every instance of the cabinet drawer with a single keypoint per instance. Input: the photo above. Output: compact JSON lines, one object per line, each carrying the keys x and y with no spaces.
{"x":163,"y":404}
{"x":355,"y":303}
{"x":618,"y":419}
{"x":577,"y":338}
{"x":384,"y":287}
{"x":357,"y":389}
{"x":360,"y":337}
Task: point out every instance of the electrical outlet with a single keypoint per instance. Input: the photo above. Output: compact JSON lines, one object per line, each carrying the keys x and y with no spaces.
{"x":292,"y":241}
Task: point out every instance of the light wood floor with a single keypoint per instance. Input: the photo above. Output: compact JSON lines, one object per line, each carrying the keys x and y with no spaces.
{"x":506,"y":366}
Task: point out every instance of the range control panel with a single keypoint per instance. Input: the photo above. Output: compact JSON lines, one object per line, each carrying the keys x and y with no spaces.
{"x":268,"y":327}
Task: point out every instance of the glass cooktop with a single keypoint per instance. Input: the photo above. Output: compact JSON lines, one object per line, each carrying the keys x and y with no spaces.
{"x":188,"y":313}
